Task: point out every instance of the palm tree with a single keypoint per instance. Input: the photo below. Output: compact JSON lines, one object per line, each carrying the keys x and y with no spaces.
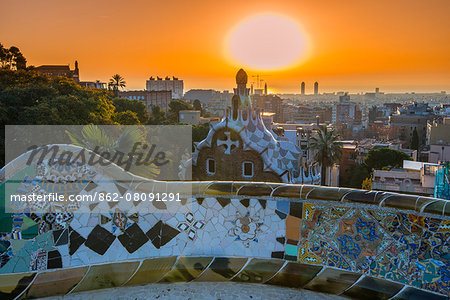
{"x":115,"y":83}
{"x":328,"y":149}
{"x":113,"y":140}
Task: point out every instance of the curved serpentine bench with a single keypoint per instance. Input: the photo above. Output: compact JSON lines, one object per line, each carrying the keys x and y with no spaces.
{"x":360,"y":244}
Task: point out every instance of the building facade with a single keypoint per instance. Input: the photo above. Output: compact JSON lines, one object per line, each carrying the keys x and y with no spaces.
{"x":60,"y":70}
{"x":241,"y":148}
{"x":408,"y":118}
{"x":414,"y":178}
{"x":174,"y":85}
{"x":269,"y":103}
{"x":150,"y":98}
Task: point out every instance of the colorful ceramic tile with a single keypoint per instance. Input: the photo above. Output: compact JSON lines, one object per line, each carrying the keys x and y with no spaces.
{"x":293,"y":228}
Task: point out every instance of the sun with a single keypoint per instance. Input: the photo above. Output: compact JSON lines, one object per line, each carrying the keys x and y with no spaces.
{"x":267,"y":42}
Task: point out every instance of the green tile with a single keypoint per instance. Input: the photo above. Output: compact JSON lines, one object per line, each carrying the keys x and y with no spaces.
{"x":291,"y":250}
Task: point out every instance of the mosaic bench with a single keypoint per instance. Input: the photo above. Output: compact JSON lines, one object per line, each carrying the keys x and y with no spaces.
{"x":355,"y":243}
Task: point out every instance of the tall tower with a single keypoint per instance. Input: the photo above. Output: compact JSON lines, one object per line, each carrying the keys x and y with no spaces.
{"x":265,"y":88}
{"x":76,"y":73}
{"x":242,"y":91}
{"x":316,"y":88}
{"x":303,"y":88}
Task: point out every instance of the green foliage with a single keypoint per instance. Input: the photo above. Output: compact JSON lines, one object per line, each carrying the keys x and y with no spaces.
{"x":367,"y":184}
{"x":355,"y":176}
{"x":385,"y":157}
{"x":415,"y":140}
{"x":197,"y":104}
{"x":27,"y":97}
{"x":116,"y":139}
{"x":328,"y":149}
{"x":12,"y":58}
{"x":116,"y":83}
{"x":175,"y":106}
{"x":127,"y":118}
{"x":158,"y":116}
{"x":135,"y":106}
{"x":199,"y":132}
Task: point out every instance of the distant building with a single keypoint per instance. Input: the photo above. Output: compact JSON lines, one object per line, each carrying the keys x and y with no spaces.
{"x":308,"y":114}
{"x":214,"y":102}
{"x":349,"y":158}
{"x":410,"y":117}
{"x":302,"y":89}
{"x":316,"y":88}
{"x":346,"y":111}
{"x":203,"y":96}
{"x":191,"y":117}
{"x":240,"y":147}
{"x":269,"y":103}
{"x":60,"y":70}
{"x":149,"y":98}
{"x":438,"y":139}
{"x":414,"y":178}
{"x":94,"y":84}
{"x":174,"y":85}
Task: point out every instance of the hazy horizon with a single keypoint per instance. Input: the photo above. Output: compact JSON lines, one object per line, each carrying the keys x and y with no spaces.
{"x":352,"y":46}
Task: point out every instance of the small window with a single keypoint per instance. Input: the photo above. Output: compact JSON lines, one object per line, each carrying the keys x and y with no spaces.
{"x":210,"y":166}
{"x":247,"y":169}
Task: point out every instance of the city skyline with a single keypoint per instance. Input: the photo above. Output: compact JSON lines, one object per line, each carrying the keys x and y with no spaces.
{"x":355,"y":47}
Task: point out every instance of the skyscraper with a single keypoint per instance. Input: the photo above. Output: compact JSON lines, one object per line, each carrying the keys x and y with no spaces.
{"x":265,"y":88}
{"x":303,"y":88}
{"x":316,"y":88}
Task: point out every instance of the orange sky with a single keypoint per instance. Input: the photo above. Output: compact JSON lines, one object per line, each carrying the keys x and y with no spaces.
{"x":356,"y":45}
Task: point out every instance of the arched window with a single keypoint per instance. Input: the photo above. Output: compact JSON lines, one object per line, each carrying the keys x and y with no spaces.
{"x":247,"y":169}
{"x":210,"y":166}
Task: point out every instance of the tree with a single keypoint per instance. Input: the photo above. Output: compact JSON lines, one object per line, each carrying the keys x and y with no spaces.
{"x":135,"y":106}
{"x":415,"y":140}
{"x":367,"y":184}
{"x":116,"y":83}
{"x":127,"y":118}
{"x":175,"y":106}
{"x":199,"y":132}
{"x":355,"y":176}
{"x":158,"y":116}
{"x":197,"y":105}
{"x":328,"y":149}
{"x":12,"y":58}
{"x":385,"y":157}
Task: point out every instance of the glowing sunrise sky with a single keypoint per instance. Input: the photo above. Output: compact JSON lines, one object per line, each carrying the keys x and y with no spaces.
{"x":351,"y":45}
